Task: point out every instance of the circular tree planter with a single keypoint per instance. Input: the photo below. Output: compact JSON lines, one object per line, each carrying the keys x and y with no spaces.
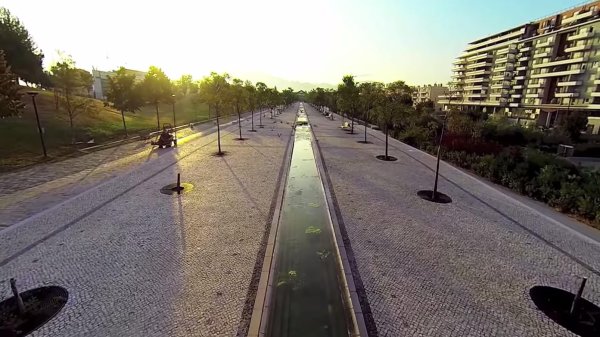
{"x":440,"y":198}
{"x":219,"y":154}
{"x":172,"y":188}
{"x":556,"y":304}
{"x":240,"y":139}
{"x":41,"y":305}
{"x":363,"y":142}
{"x":252,"y":130}
{"x":386,"y":158}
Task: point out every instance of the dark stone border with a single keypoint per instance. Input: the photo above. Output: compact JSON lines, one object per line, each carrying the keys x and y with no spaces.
{"x":220,"y":154}
{"x":41,"y":305}
{"x":240,"y":139}
{"x":363,"y":142}
{"x":440,"y":198}
{"x":386,"y":158}
{"x":556,"y":304}
{"x":172,"y":188}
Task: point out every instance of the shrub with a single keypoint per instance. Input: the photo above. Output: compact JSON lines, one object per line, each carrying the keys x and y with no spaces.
{"x":456,"y":142}
{"x":549,"y":182}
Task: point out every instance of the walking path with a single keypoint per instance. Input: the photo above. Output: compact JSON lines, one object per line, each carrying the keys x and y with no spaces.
{"x":27,"y":192}
{"x":458,"y":269}
{"x":140,"y":263}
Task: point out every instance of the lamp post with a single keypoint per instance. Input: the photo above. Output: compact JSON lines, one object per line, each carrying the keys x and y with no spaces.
{"x":174,"y":122}
{"x":37,"y":118}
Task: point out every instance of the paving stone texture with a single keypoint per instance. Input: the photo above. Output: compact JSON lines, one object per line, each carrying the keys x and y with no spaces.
{"x":140,"y":263}
{"x":458,"y":269}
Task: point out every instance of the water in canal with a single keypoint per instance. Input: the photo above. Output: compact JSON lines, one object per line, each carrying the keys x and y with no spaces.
{"x":308,"y":289}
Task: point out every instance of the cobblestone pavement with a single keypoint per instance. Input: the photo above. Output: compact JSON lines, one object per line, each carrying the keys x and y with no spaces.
{"x":29,"y":191}
{"x":140,"y":263}
{"x":458,"y":269}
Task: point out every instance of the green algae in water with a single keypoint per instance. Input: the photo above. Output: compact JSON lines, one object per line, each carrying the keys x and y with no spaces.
{"x":312,"y":230}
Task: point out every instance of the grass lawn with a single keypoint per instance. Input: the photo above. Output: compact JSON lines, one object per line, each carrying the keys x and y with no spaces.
{"x":21,"y":143}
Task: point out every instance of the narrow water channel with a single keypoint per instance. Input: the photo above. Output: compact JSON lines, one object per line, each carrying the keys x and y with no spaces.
{"x":308,"y":290}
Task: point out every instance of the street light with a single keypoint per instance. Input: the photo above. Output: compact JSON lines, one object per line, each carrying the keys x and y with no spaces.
{"x":174,"y":122}
{"x":37,"y":118}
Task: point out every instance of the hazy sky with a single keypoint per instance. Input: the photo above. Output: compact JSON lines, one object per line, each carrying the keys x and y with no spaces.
{"x":308,"y":40}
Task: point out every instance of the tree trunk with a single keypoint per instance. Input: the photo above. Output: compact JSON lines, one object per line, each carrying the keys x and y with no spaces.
{"x":70,"y":112}
{"x":218,"y":130}
{"x":157,"y":116}
{"x":352,"y":127}
{"x":260,"y":124}
{"x":252,"y":119}
{"x":237,"y":108}
{"x":365,"y":128}
{"x":124,"y":125}
{"x":386,"y":142}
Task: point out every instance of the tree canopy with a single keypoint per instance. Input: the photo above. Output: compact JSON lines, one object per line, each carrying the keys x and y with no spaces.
{"x":21,"y":53}
{"x":157,"y":86}
{"x":10,"y":97}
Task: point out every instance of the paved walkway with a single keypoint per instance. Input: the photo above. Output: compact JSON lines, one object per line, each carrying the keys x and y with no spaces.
{"x":459,"y":269}
{"x":140,"y":263}
{"x":26,"y":192}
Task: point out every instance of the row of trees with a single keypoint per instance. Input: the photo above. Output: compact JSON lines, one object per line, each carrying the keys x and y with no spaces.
{"x":219,"y":91}
{"x":389,"y":105}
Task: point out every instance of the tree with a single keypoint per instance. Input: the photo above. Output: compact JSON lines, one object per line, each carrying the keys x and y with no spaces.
{"x":157,"y":88}
{"x":185,"y":85}
{"x":124,"y":93}
{"x":348,"y":98}
{"x":10,"y":97}
{"x":262,"y":98}
{"x":396,"y":103}
{"x":213,"y":91}
{"x":370,"y":96}
{"x":252,"y":100}
{"x":239,"y":99}
{"x":21,"y":53}
{"x":289,"y":96}
{"x":573,"y":124}
{"x":68,"y":80}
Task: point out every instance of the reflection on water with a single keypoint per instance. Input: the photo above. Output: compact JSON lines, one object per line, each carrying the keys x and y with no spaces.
{"x":307,"y":296}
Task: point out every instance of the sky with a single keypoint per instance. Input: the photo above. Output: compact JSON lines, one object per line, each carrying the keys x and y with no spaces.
{"x":315,"y":41}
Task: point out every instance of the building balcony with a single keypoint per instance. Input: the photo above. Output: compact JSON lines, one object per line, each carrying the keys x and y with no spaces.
{"x":595,"y":94}
{"x":543,"y":54}
{"x":519,"y":78}
{"x":500,"y":77}
{"x":459,"y":75}
{"x":507,"y":50}
{"x":568,"y":83}
{"x":577,"y":48}
{"x":566,"y":94}
{"x":516,"y":96}
{"x":559,"y":62}
{"x":513,"y":105}
{"x":479,"y":65}
{"x":479,"y":57}
{"x":596,"y":82}
{"x":503,"y":85}
{"x":460,"y":61}
{"x":476,"y":87}
{"x":499,"y":94}
{"x":459,"y":68}
{"x":536,"y":85}
{"x":559,"y":73}
{"x":477,"y":72}
{"x":536,"y":95}
{"x":477,"y":80}
{"x":524,"y":58}
{"x":476,"y":95}
{"x":582,"y":35}
{"x":517,"y":87}
{"x":505,"y":67}
{"x":525,"y":49}
{"x":579,"y":16}
{"x":547,"y":43}
{"x":521,"y":68}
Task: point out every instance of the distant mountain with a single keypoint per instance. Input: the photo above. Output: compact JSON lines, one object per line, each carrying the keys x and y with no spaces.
{"x":282,"y":83}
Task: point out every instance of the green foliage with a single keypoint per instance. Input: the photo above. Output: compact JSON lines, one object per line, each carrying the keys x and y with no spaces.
{"x":370,"y":96}
{"x":289,"y":96}
{"x":348,"y":99}
{"x":573,"y":124}
{"x":157,"y":86}
{"x":185,"y":85}
{"x":123,"y":92}
{"x":21,"y":53}
{"x":10,"y":97}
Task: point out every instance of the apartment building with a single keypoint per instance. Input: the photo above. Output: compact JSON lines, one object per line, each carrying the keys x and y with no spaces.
{"x":540,"y":71}
{"x":429,"y":93}
{"x":100,"y":85}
